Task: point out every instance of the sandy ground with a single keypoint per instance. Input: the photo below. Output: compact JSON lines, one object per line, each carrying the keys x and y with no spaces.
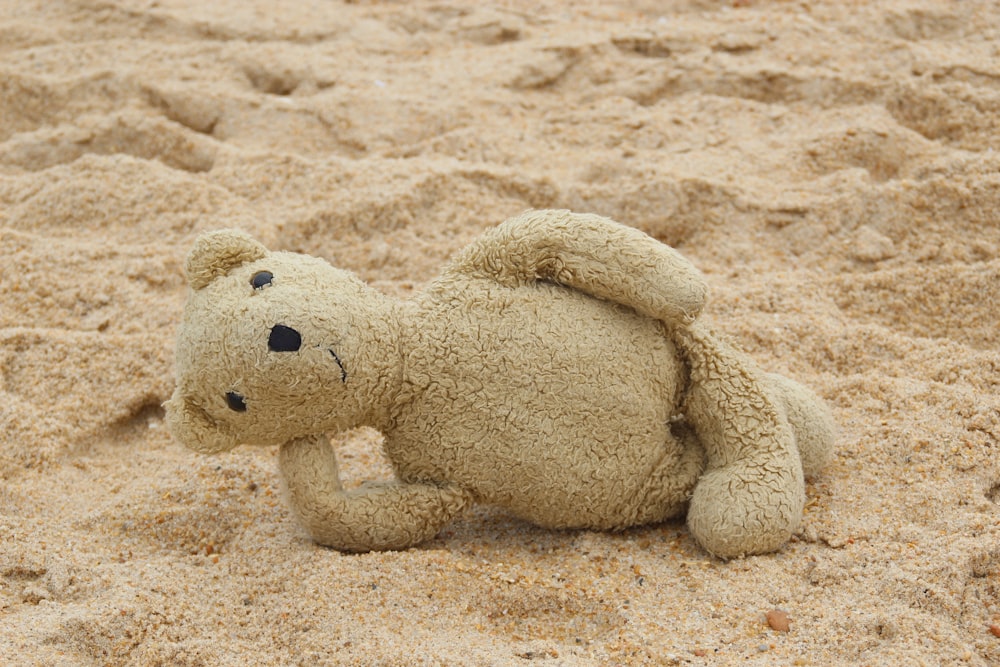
{"x":832,"y":167}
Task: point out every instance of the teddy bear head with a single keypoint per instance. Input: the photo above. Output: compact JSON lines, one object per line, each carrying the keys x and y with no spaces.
{"x":272,"y":346}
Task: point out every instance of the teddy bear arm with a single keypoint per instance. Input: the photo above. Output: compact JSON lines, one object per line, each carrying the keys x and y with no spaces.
{"x":751,"y":496}
{"x":594,"y":255}
{"x":377,"y":517}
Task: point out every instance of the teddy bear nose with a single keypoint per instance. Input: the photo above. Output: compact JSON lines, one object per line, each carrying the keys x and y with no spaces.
{"x":284,"y":339}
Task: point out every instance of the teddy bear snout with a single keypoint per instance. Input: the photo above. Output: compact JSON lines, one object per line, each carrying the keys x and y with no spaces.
{"x":284,"y":339}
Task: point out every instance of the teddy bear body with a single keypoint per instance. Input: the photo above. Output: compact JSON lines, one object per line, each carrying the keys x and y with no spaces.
{"x":552,"y":404}
{"x":557,"y":368}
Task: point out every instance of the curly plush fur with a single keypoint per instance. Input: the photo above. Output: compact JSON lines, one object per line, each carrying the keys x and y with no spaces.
{"x":556,"y":368}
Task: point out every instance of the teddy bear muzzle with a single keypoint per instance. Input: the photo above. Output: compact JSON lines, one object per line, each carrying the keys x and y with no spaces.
{"x":286,"y":339}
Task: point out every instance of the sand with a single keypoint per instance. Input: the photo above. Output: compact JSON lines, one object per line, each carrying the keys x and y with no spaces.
{"x":832,"y":167}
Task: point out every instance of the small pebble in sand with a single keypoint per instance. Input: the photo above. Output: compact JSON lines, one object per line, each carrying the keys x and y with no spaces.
{"x":995,"y":629}
{"x":778,"y":620}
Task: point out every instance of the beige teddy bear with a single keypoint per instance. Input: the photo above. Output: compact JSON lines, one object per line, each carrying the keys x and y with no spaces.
{"x":556,"y":369}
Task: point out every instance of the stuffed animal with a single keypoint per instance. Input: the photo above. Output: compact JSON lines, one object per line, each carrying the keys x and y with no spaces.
{"x":557,"y":368}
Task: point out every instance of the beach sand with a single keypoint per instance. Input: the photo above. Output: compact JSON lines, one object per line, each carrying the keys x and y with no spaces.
{"x":831,"y":167}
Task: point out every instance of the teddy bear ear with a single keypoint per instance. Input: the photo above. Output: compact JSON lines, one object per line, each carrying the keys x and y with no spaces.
{"x":194,"y":428}
{"x":216,"y":253}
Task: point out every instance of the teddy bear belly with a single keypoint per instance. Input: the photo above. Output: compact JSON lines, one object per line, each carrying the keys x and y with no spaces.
{"x":547,"y":402}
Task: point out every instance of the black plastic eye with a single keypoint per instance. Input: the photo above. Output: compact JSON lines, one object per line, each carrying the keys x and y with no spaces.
{"x":235,"y":402}
{"x":261,"y":279}
{"x":284,"y":339}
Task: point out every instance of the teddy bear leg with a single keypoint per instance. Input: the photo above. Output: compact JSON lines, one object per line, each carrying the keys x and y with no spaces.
{"x":751,"y":496}
{"x":810,"y":420}
{"x":374,"y":517}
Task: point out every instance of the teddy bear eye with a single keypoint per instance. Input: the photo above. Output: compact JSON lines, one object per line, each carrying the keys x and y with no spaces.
{"x":235,"y":402}
{"x":261,"y":279}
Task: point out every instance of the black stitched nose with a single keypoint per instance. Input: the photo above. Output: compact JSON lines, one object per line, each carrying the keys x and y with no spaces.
{"x":284,"y":339}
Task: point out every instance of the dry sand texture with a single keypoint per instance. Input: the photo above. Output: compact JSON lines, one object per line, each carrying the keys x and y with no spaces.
{"x":831,"y":166}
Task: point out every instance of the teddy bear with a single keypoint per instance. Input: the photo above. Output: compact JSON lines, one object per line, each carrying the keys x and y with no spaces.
{"x":557,"y":368}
